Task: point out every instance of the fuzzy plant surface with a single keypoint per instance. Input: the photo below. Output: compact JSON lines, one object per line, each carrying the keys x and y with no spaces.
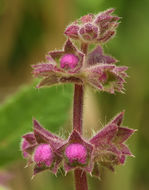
{"x":81,"y":65}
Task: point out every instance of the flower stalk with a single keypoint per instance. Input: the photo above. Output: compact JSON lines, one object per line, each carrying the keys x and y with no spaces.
{"x":81,"y":66}
{"x":84,"y":48}
{"x":80,"y":180}
{"x":78,"y":107}
{"x":80,"y":175}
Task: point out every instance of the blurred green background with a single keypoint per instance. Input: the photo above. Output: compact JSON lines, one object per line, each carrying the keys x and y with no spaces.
{"x":28,"y":30}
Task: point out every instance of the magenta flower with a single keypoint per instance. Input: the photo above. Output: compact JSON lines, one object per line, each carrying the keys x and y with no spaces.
{"x":72,"y":66}
{"x":40,"y":148}
{"x":43,"y":155}
{"x":77,"y":153}
{"x":91,"y":28}
{"x":106,"y":148}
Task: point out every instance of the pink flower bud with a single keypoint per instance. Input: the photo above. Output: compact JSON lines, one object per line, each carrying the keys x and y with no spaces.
{"x":89,"y":32}
{"x":76,"y":153}
{"x":69,"y":61}
{"x":72,"y":31}
{"x":87,"y":18}
{"x":43,"y":155}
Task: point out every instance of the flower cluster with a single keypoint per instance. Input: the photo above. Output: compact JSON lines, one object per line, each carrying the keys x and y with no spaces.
{"x":81,"y":61}
{"x":47,"y":151}
{"x":94,"y":28}
{"x":94,"y":68}
{"x":72,"y":66}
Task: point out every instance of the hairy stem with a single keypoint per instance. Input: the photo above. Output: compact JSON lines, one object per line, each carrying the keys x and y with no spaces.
{"x":80,"y":180}
{"x":78,"y":108}
{"x":84,"y":47}
{"x":80,"y":175}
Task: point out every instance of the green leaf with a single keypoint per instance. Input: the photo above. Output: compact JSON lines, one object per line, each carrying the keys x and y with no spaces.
{"x":3,"y":188}
{"x":50,"y":106}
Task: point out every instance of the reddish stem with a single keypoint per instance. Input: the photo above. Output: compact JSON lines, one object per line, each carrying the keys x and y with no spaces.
{"x":78,"y":108}
{"x":84,"y":47}
{"x":80,"y":175}
{"x":80,"y":180}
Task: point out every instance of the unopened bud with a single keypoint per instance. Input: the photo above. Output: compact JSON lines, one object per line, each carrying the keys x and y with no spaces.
{"x":89,"y":32}
{"x":72,"y":31}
